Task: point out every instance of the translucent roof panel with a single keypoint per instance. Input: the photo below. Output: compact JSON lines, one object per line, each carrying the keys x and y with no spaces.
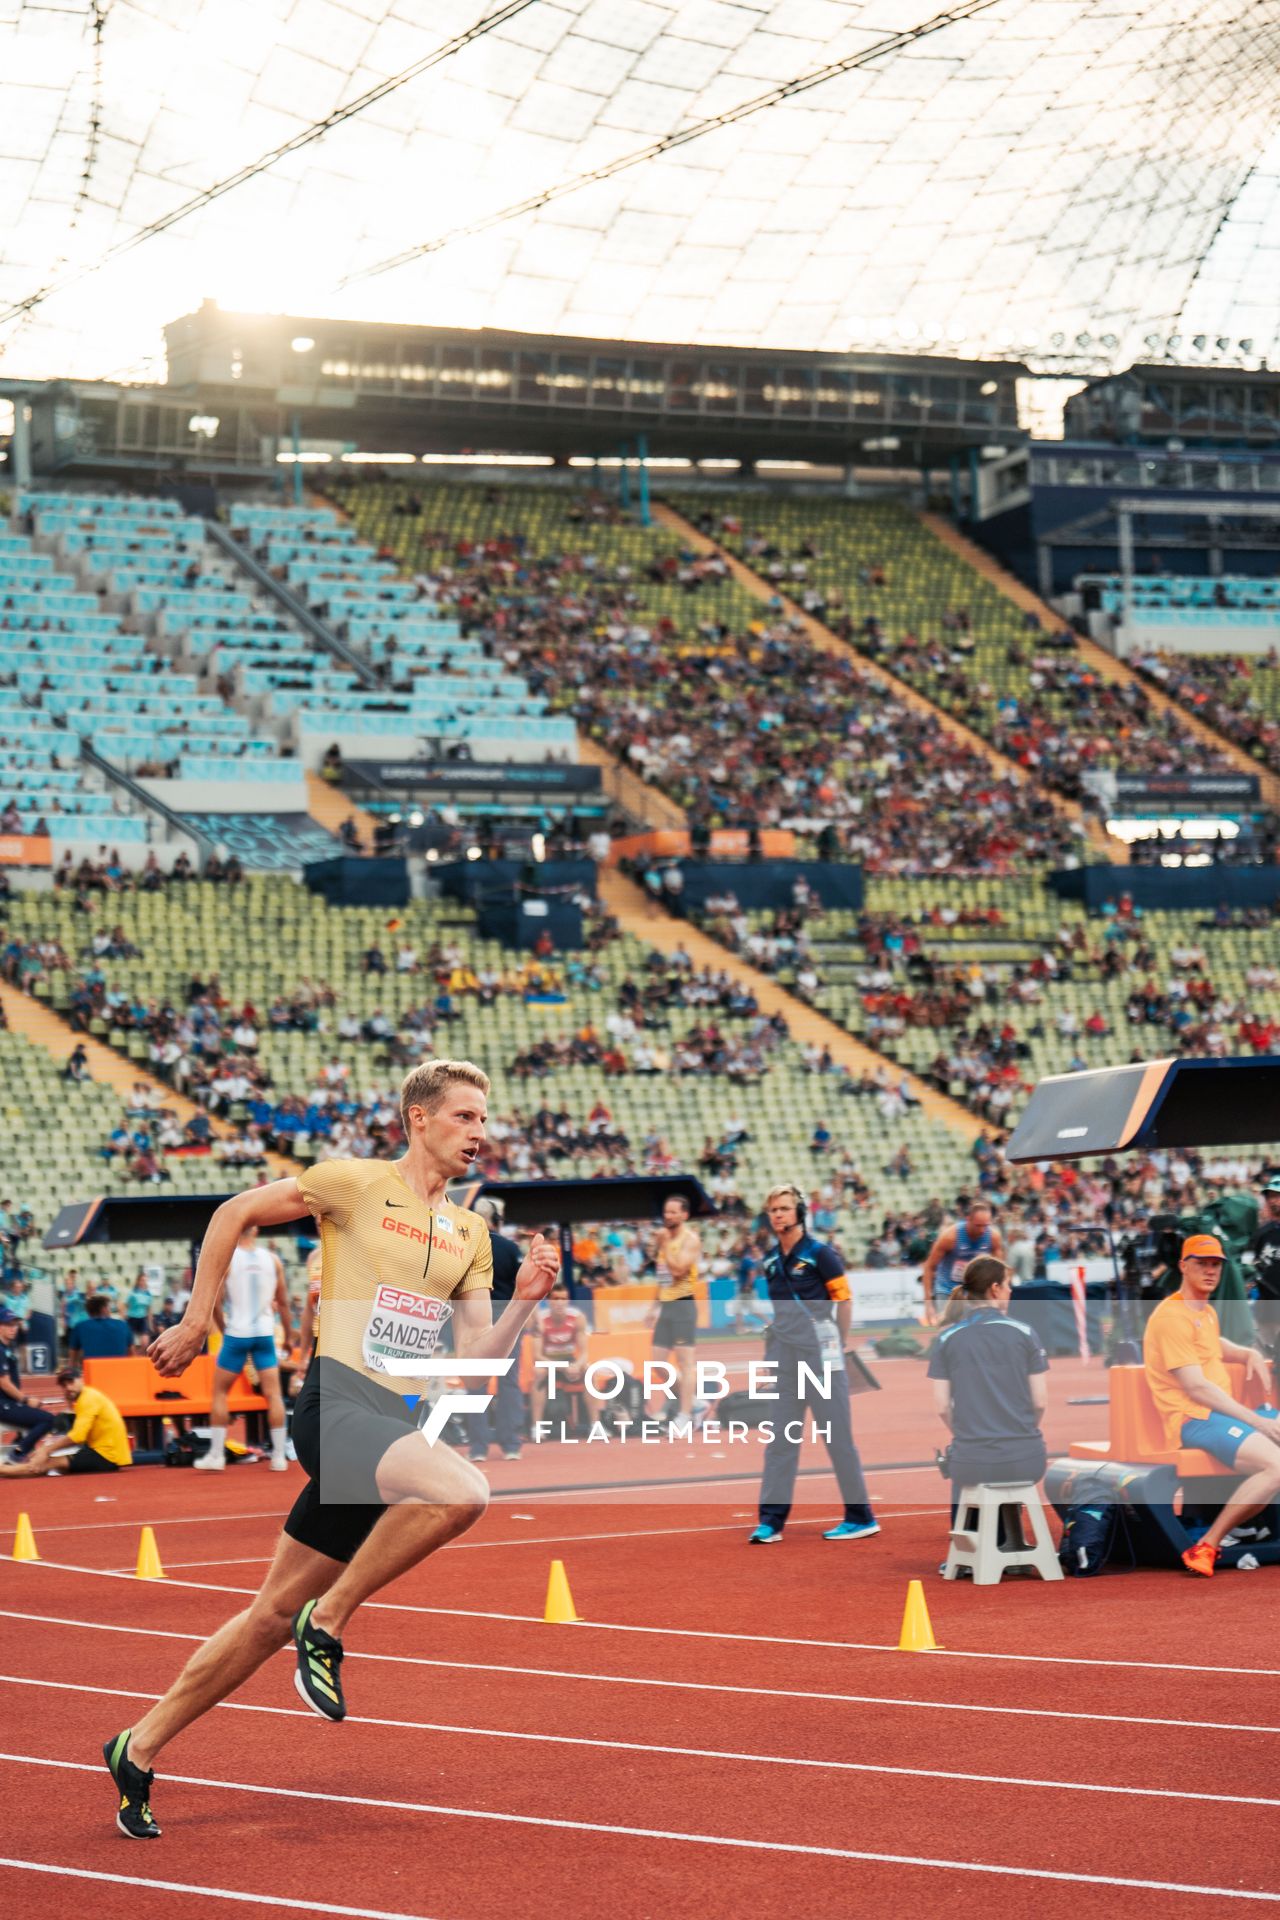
{"x":1067,"y":180}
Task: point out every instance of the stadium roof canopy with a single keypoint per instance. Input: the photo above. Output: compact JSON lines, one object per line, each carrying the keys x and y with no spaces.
{"x":1077,"y":183}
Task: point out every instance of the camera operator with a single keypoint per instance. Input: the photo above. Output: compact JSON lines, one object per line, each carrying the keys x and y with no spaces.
{"x":1265,"y":1247}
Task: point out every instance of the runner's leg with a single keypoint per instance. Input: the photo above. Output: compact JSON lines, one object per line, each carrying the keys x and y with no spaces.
{"x":1259,"y":1457}
{"x":684,"y":1359}
{"x":223,"y":1381}
{"x":432,"y":1496}
{"x":269,"y":1388}
{"x":663,"y":1391}
{"x":238,"y":1649}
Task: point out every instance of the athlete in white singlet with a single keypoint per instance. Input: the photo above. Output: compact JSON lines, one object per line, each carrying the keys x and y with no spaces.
{"x":255,"y":1291}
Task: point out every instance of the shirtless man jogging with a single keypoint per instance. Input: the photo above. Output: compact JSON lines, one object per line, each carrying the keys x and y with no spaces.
{"x":399,"y":1260}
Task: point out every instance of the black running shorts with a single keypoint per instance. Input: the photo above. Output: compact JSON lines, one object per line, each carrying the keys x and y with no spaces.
{"x":347,"y":1423}
{"x":677,"y":1324}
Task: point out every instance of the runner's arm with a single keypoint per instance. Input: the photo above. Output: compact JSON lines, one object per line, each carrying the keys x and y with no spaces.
{"x":476,"y":1335}
{"x":269,"y":1206}
{"x":681,"y":1255}
{"x":283,"y":1304}
{"x":943,"y":1244}
{"x":307,"y":1334}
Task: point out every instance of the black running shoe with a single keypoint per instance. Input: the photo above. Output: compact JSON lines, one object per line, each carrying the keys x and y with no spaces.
{"x":135,"y":1816}
{"x":318,"y":1679}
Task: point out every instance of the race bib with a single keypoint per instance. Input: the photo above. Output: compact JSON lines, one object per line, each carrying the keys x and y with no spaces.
{"x":403,"y":1330}
{"x":830,"y":1344}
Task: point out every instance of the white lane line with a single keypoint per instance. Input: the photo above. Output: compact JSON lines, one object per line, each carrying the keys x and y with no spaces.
{"x":205,"y":1892}
{"x":540,"y":1540}
{"x":669,"y":1833}
{"x":688,"y":1753}
{"x":710,"y":1633}
{"x":805,"y":1496}
{"x":155,"y":1520}
{"x":185,"y":1566}
{"x":560,"y":1674}
{"x":485,"y":1546}
{"x":597,"y":1495}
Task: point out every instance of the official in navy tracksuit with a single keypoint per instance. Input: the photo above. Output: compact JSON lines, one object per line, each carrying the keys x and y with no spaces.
{"x":16,"y":1410}
{"x":507,"y":1425}
{"x":811,"y":1315}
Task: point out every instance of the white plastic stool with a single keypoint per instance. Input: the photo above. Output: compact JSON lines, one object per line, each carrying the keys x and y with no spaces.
{"x":976,"y":1532}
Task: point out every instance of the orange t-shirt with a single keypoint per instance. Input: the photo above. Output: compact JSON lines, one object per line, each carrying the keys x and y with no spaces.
{"x":1179,"y":1335}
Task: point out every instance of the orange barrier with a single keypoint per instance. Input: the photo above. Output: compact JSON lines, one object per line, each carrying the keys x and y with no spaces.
{"x":25,"y":850}
{"x":1136,"y":1432}
{"x":135,"y":1388}
{"x":727,"y":843}
{"x":624,"y":1309}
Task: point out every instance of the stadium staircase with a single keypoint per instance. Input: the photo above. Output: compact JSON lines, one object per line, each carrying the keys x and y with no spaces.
{"x":636,"y":916}
{"x":822,"y":637}
{"x":330,"y":808}
{"x":650,"y":809}
{"x":644,"y":804}
{"x":1104,"y":663}
{"x":272,"y":916}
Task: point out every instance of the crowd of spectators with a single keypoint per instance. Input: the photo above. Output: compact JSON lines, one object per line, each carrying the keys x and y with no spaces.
{"x":987,"y":1015}
{"x":1055,"y":1211}
{"x":1071,"y":722}
{"x":632,"y":1037}
{"x":1234,"y":693}
{"x":88,"y":880}
{"x":1043,"y":704}
{"x":749,"y":729}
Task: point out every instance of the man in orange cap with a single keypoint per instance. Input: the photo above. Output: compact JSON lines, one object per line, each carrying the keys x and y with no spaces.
{"x":1183,"y":1352}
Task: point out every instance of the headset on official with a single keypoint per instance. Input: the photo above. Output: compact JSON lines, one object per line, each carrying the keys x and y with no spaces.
{"x":836,"y":1290}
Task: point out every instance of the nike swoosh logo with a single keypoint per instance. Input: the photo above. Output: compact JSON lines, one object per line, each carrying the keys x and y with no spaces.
{"x":401,"y":1204}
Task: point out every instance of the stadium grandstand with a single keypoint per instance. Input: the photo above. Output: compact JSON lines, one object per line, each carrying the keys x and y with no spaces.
{"x":721,"y":565}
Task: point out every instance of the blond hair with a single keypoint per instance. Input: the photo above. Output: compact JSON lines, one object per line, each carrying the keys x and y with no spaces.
{"x":426,"y":1085}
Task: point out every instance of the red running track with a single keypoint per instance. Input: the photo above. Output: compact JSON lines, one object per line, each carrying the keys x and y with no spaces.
{"x":730,"y":1730}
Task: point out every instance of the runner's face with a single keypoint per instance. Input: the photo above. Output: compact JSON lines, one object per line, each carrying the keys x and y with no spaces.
{"x":674,"y":1214}
{"x":456,"y":1127}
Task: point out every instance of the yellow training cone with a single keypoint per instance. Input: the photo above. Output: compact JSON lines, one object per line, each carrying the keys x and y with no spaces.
{"x":559,"y":1599}
{"x":24,"y":1541}
{"x":149,"y":1567}
{"x":917,"y":1628}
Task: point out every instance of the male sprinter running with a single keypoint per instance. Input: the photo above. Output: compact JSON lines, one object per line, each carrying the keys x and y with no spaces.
{"x":399,"y":1258}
